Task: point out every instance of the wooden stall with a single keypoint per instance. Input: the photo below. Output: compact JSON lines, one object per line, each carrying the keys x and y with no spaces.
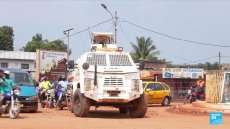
{"x":214,"y":82}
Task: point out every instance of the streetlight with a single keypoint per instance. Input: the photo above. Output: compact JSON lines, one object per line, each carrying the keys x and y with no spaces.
{"x":115,"y":22}
{"x":66,"y":32}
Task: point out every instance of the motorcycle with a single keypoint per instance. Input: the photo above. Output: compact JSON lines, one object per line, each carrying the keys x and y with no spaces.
{"x":49,"y":98}
{"x":193,"y":95}
{"x":63,"y":98}
{"x":10,"y":103}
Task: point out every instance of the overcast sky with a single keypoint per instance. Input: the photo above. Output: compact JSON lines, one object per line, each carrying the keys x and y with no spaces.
{"x":202,"y":21}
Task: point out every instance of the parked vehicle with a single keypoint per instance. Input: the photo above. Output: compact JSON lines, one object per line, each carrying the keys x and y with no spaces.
{"x":157,"y":93}
{"x":28,"y":96}
{"x":11,"y":104}
{"x":194,"y":94}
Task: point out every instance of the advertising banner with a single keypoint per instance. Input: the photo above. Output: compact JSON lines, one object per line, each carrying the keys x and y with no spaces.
{"x":192,"y":73}
{"x":52,"y":64}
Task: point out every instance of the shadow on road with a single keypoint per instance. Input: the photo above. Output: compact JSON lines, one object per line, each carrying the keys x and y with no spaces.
{"x":8,"y":117}
{"x":31,"y":112}
{"x":157,"y":105}
{"x":105,"y":114}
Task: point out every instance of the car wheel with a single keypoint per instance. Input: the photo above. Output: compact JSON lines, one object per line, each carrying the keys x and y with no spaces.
{"x":166,"y":101}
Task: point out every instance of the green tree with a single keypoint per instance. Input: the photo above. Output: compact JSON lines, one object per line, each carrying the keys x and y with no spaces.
{"x":39,"y":43}
{"x":36,"y":43}
{"x":6,"y":38}
{"x":210,"y":66}
{"x":144,"y":49}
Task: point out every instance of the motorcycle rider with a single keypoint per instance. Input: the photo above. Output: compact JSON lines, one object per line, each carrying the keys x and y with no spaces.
{"x":55,"y":86}
{"x":44,"y":85}
{"x":8,"y":80}
{"x":3,"y":88}
{"x":62,"y":85}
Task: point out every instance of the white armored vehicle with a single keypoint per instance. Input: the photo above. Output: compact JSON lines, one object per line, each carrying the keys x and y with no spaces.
{"x":107,"y":76}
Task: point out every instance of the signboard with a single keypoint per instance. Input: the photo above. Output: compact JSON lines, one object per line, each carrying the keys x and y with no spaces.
{"x":51,"y":64}
{"x":192,"y":73}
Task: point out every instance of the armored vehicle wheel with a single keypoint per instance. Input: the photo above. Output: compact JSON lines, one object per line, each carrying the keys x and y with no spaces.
{"x":81,"y":104}
{"x":140,"y":108}
{"x":123,"y":110}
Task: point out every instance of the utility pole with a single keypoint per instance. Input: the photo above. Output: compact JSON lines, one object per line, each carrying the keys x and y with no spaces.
{"x":219,"y":62}
{"x":114,"y":20}
{"x":66,"y":32}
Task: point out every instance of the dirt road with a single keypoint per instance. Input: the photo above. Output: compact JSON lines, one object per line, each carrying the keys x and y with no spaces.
{"x":108,"y":118}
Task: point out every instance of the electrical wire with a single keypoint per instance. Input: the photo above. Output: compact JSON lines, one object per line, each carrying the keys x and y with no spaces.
{"x":175,"y":38}
{"x":169,"y":53}
{"x":204,"y":59}
{"x":91,"y":27}
{"x":88,"y":28}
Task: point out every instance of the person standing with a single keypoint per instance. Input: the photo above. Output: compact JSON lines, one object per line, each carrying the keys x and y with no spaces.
{"x":200,"y":88}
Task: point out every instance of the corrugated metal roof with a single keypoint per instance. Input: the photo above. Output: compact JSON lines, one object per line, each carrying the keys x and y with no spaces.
{"x":20,"y":55}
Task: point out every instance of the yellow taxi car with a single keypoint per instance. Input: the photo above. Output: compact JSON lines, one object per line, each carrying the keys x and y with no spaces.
{"x":157,"y":93}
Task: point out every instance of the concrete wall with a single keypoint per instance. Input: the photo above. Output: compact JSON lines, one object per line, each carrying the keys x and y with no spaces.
{"x":16,"y":64}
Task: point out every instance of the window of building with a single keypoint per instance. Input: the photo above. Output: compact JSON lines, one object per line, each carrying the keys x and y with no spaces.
{"x":24,"y":66}
{"x":4,"y":65}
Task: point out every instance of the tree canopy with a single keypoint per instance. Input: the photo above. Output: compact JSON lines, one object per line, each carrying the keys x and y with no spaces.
{"x":38,"y":42}
{"x":6,"y":38}
{"x":144,"y":49}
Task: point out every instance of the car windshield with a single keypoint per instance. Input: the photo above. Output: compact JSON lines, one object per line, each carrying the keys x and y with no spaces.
{"x":22,"y":79}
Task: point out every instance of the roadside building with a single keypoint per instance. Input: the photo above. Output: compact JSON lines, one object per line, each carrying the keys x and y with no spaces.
{"x":225,"y":67}
{"x":18,"y":60}
{"x":179,"y":79}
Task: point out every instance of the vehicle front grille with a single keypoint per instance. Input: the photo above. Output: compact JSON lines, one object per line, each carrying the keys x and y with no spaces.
{"x":113,"y":81}
{"x":20,"y":98}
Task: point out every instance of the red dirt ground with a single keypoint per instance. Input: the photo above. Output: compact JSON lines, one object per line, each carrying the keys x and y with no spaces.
{"x":157,"y":117}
